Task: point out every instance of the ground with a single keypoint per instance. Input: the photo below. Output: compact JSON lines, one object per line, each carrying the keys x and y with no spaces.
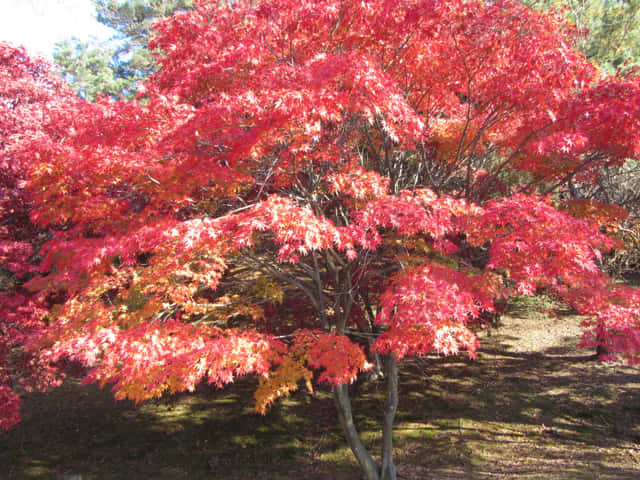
{"x":532,"y":406}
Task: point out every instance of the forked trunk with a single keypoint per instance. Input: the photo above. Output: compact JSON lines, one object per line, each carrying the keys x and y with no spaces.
{"x":369,"y":467}
{"x":343,"y":405}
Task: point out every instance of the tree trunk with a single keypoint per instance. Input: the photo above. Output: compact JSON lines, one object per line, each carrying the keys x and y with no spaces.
{"x":343,"y":405}
{"x":601,"y":350}
{"x":388,"y":471}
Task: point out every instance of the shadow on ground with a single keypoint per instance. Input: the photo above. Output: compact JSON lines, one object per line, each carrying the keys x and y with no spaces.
{"x":526,"y":409}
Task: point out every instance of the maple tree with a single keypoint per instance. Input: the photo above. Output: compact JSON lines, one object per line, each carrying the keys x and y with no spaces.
{"x":313,"y":191}
{"x":30,"y":94}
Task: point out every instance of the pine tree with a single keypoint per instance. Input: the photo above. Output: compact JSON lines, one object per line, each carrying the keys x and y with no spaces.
{"x":115,"y":67}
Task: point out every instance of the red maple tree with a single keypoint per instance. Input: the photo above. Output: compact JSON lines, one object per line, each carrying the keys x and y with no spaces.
{"x":307,"y":191}
{"x":30,"y":96}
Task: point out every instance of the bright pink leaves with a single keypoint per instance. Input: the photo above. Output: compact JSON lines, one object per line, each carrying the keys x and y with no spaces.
{"x":32,"y":99}
{"x":338,"y":358}
{"x":144,"y":361}
{"x":14,"y":256}
{"x":270,"y":135}
{"x":297,"y":229}
{"x":612,"y":314}
{"x":409,"y":213}
{"x":358,"y":183}
{"x":9,"y":407}
{"x":537,"y":245}
{"x":428,"y":307}
{"x":20,"y":320}
{"x":599,"y":126}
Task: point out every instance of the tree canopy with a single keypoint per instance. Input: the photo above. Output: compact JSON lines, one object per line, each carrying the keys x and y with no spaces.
{"x":311,"y":191}
{"x":91,"y":70}
{"x":30,"y":98}
{"x":608,"y":32}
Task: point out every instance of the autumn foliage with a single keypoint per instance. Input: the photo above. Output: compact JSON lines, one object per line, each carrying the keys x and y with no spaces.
{"x":390,"y":166}
{"x":32,"y":98}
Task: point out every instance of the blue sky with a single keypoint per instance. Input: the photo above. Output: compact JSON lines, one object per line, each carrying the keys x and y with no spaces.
{"x":39,"y":24}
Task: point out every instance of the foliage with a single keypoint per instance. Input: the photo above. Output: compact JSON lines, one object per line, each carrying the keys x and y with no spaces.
{"x":314,"y":190}
{"x":115,"y":67}
{"x":89,"y":68}
{"x":609,"y":34}
{"x":608,"y":31}
{"x":30,"y":95}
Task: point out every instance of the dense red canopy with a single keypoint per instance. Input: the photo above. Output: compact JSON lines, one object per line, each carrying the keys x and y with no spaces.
{"x":304,"y":185}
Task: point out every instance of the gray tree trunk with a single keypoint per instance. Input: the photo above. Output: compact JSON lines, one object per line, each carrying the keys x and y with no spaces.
{"x":343,"y":405}
{"x":388,"y":471}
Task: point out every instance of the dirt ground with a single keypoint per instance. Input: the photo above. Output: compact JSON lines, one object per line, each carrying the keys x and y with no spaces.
{"x":534,"y":406}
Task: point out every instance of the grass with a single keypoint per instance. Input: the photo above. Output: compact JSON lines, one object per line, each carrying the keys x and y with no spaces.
{"x":531,"y":406}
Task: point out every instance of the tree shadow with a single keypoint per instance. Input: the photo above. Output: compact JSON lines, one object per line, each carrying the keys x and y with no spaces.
{"x":556,"y":413}
{"x":552,"y":414}
{"x":212,"y":433}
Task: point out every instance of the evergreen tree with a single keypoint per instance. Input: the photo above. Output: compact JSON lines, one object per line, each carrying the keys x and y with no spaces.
{"x":91,"y":69}
{"x":133,"y":20}
{"x":608,"y":31}
{"x":116,"y":66}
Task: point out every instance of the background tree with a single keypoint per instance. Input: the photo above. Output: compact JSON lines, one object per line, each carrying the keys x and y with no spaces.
{"x":607,"y":31}
{"x":90,"y":68}
{"x":115,"y":67}
{"x":133,"y":20}
{"x":311,"y":191}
